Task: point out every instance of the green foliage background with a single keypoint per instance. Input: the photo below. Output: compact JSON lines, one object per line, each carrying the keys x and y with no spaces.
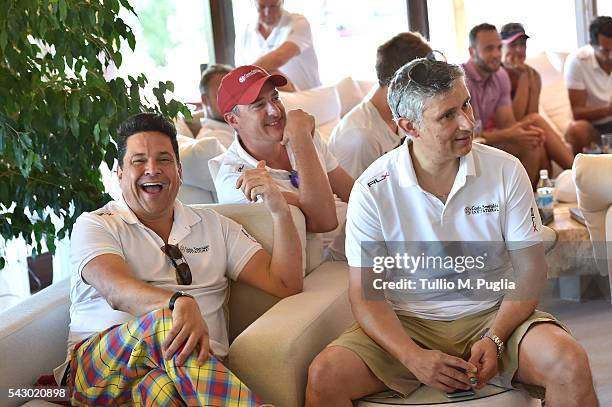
{"x":58,"y":113}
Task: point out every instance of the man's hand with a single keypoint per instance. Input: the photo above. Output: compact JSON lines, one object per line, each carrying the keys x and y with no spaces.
{"x":526,"y":134}
{"x":440,"y":370}
{"x":189,"y":331}
{"x":257,"y":181}
{"x":484,"y":356}
{"x":299,"y":125}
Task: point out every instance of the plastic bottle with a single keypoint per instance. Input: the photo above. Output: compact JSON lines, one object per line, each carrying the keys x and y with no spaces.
{"x":544,"y":195}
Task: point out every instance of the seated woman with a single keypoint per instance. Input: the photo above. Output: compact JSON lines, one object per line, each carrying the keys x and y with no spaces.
{"x":526,"y":87}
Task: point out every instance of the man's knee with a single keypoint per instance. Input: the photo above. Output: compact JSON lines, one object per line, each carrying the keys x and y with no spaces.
{"x":579,"y":130}
{"x":324,"y":372}
{"x":570,"y":363}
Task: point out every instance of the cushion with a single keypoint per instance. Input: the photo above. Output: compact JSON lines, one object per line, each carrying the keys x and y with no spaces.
{"x":194,"y":154}
{"x":350,"y":94}
{"x":323,"y":103}
{"x":565,"y":189}
{"x":554,"y":100}
{"x":326,"y":129}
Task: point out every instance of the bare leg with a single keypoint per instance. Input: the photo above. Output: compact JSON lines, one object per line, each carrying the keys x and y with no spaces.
{"x":580,"y":134}
{"x":337,"y":376}
{"x":530,"y":157}
{"x":555,"y":147}
{"x":551,"y":358}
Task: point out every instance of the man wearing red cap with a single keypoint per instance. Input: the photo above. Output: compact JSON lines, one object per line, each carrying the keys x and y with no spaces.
{"x":285,"y":145}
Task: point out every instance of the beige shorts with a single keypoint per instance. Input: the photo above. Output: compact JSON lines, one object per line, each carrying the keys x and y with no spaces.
{"x":451,"y":337}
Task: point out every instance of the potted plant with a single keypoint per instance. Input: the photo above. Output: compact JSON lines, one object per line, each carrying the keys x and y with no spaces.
{"x":58,"y":113}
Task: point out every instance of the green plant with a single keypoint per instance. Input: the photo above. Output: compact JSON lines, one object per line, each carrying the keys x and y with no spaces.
{"x":58,"y":113}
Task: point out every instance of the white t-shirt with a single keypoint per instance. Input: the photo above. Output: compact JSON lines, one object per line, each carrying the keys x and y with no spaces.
{"x":582,"y":72}
{"x":236,"y":159}
{"x":303,"y":69}
{"x":361,"y":137}
{"x":491,"y":201}
{"x":219,"y":130}
{"x":216,"y":249}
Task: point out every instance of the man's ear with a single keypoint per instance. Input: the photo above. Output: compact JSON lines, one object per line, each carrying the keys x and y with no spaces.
{"x":472,"y":52}
{"x":231,"y":119}
{"x":408,"y":127}
{"x":119,"y":172}
{"x":180,"y":171}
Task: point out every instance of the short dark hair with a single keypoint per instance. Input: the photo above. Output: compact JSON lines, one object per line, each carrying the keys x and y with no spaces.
{"x":478,"y":28}
{"x":208,"y":73}
{"x":397,"y":52}
{"x":600,"y":25}
{"x":142,"y":122}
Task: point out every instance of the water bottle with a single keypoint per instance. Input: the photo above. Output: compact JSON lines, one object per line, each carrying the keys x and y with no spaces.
{"x":544,"y":195}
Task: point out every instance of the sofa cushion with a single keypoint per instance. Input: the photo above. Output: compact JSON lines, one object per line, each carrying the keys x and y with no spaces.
{"x":194,"y":154}
{"x":350,"y":94}
{"x":554,"y":100}
{"x":323,"y":103}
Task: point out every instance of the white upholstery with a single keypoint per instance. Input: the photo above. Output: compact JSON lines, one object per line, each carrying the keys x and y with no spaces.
{"x":322,"y":102}
{"x":593,"y":178}
{"x":198,"y":186}
{"x":273,"y":341}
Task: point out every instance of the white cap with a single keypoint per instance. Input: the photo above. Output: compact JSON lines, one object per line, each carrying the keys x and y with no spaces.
{"x":543,"y":173}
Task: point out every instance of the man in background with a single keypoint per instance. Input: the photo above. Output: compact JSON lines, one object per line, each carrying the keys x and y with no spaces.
{"x":213,"y":124}
{"x":588,"y":78}
{"x":530,"y":139}
{"x":279,"y":41}
{"x":368,"y":130}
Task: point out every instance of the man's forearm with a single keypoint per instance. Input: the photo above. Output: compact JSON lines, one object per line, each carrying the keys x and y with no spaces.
{"x":286,"y":261}
{"x":315,"y":194}
{"x":495,"y":136}
{"x":591,"y":114}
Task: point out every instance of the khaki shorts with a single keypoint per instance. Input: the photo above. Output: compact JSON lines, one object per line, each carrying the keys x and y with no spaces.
{"x":451,"y":337}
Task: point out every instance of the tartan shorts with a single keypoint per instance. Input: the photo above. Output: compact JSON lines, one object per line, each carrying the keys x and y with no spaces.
{"x":124,"y":365}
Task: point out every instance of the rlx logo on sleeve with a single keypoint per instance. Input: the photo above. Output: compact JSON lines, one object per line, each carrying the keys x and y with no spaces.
{"x":378,"y":179}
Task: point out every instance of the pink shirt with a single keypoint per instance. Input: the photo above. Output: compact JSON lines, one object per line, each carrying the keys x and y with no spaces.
{"x":487,"y":94}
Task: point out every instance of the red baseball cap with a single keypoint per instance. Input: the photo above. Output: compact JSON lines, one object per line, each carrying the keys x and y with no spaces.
{"x":242,"y":86}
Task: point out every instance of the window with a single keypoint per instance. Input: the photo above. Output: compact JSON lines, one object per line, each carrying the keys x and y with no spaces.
{"x":451,"y":20}
{"x":604,"y":8}
{"x":346,"y":33}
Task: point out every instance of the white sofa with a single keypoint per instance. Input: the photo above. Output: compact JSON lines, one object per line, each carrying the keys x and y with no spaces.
{"x":593,"y":178}
{"x":272,"y":341}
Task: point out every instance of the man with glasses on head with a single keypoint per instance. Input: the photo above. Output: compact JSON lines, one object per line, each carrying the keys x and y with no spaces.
{"x":279,"y":41}
{"x":368,"y":130}
{"x":530,"y":139}
{"x":441,"y":187}
{"x":151,"y":277}
{"x":285,"y":145}
{"x":588,"y":78}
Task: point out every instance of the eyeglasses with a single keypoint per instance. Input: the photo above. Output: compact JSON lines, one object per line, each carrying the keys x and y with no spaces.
{"x":183,"y":272}
{"x":294,"y":178}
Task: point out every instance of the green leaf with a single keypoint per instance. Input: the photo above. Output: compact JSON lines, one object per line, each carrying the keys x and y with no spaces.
{"x":63,"y":10}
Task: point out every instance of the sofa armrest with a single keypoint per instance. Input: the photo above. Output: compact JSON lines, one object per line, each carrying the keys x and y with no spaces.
{"x":33,"y":336}
{"x":272,"y":355}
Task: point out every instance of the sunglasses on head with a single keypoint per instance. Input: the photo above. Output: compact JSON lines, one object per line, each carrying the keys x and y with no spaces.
{"x":183,"y":272}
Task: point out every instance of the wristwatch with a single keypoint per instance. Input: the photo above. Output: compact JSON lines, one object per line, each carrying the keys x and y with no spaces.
{"x":175,"y":296}
{"x":498,"y":342}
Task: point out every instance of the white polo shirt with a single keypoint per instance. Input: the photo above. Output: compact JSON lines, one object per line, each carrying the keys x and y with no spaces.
{"x":236,"y":159}
{"x":582,"y":72}
{"x":219,"y":130}
{"x":491,"y":201}
{"x":216,"y":249}
{"x":361,"y":137}
{"x":303,"y":69}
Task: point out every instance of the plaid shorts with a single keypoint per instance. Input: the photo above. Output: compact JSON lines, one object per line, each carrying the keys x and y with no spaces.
{"x":123,"y":365}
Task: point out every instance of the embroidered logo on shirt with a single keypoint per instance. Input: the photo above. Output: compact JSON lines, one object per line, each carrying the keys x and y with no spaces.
{"x":195,"y":250}
{"x":378,"y":179}
{"x":478,"y":209}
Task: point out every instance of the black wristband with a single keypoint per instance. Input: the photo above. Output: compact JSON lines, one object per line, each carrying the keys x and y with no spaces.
{"x":175,"y":296}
